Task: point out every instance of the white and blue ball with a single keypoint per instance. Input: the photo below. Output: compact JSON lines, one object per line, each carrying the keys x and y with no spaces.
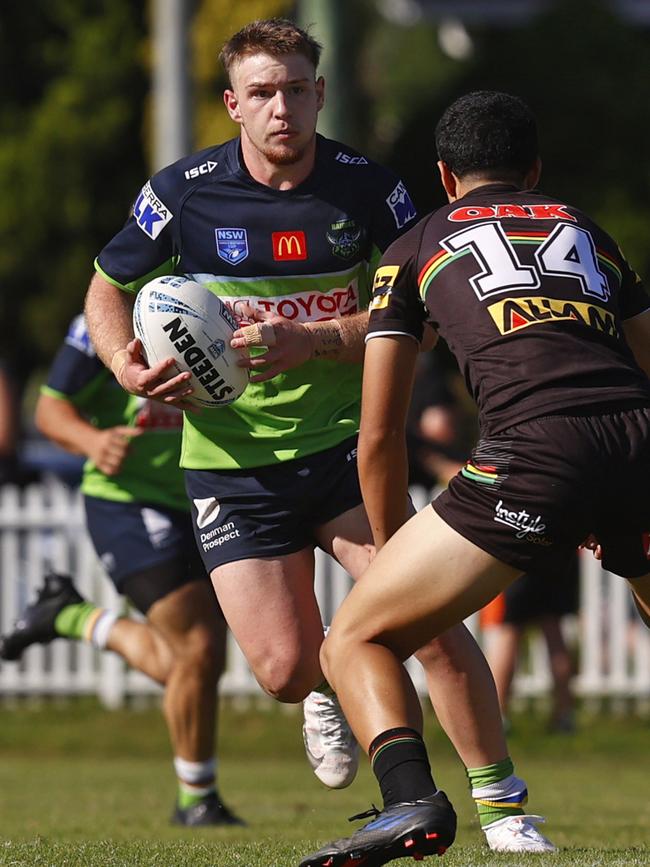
{"x":178,"y":317}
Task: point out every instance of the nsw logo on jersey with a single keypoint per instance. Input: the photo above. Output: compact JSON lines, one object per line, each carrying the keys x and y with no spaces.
{"x":232,"y":245}
{"x":150,"y":213}
{"x":401,"y":205}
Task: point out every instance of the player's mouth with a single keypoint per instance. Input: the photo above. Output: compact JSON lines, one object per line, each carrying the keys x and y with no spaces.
{"x":284,"y":134}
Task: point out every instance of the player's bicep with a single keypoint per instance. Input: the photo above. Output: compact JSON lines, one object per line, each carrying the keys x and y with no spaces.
{"x":388,"y":373}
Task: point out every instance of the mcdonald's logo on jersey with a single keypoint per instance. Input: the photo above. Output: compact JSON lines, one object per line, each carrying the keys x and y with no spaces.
{"x":289,"y":246}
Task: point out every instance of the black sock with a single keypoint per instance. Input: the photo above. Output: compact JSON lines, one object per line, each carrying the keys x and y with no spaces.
{"x":399,"y":761}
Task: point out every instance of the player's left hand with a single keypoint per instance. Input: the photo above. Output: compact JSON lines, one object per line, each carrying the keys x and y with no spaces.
{"x":284,"y":343}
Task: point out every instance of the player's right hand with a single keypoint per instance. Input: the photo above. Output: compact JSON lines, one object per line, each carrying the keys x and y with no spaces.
{"x":110,"y":446}
{"x":160,"y":382}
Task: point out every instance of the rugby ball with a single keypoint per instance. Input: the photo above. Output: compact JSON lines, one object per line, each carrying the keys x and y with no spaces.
{"x":178,"y":317}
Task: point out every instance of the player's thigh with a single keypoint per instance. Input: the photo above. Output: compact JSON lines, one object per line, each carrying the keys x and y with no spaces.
{"x":640,"y":588}
{"x":424,"y":580}
{"x":190,"y":620}
{"x":348,"y":538}
{"x":271,"y":608}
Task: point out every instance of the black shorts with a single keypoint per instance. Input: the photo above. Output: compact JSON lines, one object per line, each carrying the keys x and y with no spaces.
{"x":532,"y":597}
{"x":532,"y":494}
{"x":271,"y":511}
{"x":148,"y":551}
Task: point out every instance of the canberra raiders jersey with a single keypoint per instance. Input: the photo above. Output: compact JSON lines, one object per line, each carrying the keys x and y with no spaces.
{"x":150,"y":472}
{"x":528,"y":293}
{"x":306,"y":254}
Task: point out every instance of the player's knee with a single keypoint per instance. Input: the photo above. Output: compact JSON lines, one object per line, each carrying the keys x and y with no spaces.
{"x":285,"y":682}
{"x":333,"y":652}
{"x":202,"y":648}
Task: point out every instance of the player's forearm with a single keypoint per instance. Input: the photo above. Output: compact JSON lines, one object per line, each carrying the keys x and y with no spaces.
{"x":383,"y":475}
{"x":339,"y":339}
{"x":59,"y":421}
{"x":109,"y":313}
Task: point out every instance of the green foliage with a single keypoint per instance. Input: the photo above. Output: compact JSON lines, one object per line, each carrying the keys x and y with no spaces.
{"x":91,"y":788}
{"x":70,"y":157}
{"x":582,"y":69}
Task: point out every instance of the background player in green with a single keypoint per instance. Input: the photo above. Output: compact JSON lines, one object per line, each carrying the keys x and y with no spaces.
{"x":564,"y":412}
{"x":138,"y":519}
{"x":290,"y":224}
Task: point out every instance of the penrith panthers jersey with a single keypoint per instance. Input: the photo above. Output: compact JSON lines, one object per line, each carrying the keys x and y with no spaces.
{"x":528,"y":293}
{"x":306,"y":254}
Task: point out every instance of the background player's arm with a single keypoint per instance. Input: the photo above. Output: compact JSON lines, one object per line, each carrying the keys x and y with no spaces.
{"x":637,"y":334}
{"x":60,"y":421}
{"x":388,"y":375}
{"x":109,"y":312}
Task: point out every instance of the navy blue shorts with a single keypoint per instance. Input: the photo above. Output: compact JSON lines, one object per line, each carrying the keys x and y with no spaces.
{"x":147,"y":550}
{"x":271,"y":511}
{"x":531,"y":494}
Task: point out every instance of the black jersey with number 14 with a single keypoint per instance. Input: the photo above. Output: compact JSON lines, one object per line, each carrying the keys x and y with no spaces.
{"x":530,"y":296}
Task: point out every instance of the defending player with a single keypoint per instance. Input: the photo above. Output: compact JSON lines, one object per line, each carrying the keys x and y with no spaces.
{"x":138,"y":519}
{"x":292,"y":224}
{"x":543,"y":314}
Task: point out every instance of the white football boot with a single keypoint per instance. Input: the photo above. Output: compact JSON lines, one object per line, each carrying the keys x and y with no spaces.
{"x":331,"y":748}
{"x":517,"y":834}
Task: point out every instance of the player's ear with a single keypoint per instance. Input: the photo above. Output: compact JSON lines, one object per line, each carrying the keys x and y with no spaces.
{"x":533,"y":175}
{"x":449,"y":180}
{"x":320,"y":92}
{"x":232,"y":105}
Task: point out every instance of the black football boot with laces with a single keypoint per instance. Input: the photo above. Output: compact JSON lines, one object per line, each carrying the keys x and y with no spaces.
{"x":36,"y":625}
{"x":409,"y":829}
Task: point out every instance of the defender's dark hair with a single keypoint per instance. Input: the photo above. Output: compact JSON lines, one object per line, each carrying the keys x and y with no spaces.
{"x":488,"y":133}
{"x":274,"y":36}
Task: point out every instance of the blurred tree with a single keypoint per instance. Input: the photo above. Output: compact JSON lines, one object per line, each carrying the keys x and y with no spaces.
{"x":582,"y":69}
{"x":213,"y":23}
{"x":71,"y":89}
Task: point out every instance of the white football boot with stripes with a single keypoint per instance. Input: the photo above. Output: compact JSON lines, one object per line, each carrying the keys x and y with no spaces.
{"x":517,"y":834}
{"x":331,"y":747}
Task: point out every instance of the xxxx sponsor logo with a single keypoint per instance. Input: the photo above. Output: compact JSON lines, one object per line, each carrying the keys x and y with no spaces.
{"x":513,"y":314}
{"x":303,"y":306}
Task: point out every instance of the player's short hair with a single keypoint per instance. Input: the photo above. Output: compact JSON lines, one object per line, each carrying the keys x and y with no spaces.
{"x":489,"y":134}
{"x":274,"y":36}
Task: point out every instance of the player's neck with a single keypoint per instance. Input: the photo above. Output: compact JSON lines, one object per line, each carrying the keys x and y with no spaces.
{"x":469,"y":185}
{"x":279,"y":177}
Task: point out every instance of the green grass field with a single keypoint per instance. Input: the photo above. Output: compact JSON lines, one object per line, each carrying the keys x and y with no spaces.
{"x":80,"y":786}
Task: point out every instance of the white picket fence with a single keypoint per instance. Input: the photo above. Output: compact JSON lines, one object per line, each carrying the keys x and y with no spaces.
{"x":43,"y":526}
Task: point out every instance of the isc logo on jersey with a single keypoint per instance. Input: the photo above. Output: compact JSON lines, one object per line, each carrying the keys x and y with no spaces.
{"x":401,"y":205}
{"x":150,"y":213}
{"x":350,"y":159}
{"x":203,"y":169}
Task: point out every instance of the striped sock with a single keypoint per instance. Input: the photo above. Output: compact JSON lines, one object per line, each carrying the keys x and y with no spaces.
{"x":196,"y":780}
{"x":71,"y":621}
{"x":498,"y":793}
{"x":399,"y":761}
